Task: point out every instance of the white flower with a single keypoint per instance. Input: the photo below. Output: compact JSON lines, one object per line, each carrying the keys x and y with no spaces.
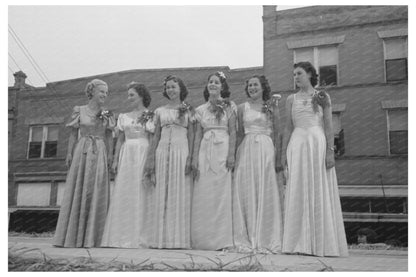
{"x":221,"y":74}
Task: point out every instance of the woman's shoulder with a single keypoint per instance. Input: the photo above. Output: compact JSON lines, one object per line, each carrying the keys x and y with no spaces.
{"x":201,"y":107}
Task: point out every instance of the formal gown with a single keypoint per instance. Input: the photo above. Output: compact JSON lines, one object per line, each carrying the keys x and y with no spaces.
{"x":173,"y":188}
{"x":129,"y":216}
{"x":313,"y":222}
{"x":86,"y":198}
{"x":257,"y":207}
{"x":211,"y":220}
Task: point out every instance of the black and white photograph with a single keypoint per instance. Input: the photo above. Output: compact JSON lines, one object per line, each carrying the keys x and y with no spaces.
{"x":207,"y":137}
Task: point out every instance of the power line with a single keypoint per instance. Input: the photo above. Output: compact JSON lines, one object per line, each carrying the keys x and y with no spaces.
{"x":15,"y":36}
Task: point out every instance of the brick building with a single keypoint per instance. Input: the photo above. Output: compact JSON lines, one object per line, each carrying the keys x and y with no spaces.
{"x":361,"y":55}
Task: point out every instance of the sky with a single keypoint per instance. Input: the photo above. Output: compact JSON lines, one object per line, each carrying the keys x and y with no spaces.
{"x":68,"y":42}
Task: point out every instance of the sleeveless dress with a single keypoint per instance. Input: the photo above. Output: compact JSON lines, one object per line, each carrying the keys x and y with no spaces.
{"x":173,"y":188}
{"x":257,"y":213}
{"x":86,"y":198}
{"x":313,"y":218}
{"x":211,"y":220}
{"x":127,"y":224}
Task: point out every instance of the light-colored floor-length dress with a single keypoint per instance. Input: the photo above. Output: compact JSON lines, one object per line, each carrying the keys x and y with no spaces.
{"x":211,"y":221}
{"x":313,"y":218}
{"x":86,"y":198}
{"x":129,"y":216}
{"x":173,"y":188}
{"x":257,"y":207}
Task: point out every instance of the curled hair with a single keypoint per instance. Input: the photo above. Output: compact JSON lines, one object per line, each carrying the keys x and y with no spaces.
{"x":183,"y":89}
{"x":89,"y":88}
{"x":142,"y":91}
{"x":225,"y":91}
{"x":308,"y":67}
{"x":264,"y":85}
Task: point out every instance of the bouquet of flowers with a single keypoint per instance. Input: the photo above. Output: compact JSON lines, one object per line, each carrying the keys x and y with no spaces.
{"x":320,"y":98}
{"x":184,"y":108}
{"x":219,"y":107}
{"x":146,"y":116}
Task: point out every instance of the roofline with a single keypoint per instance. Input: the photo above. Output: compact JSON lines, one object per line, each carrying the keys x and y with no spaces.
{"x":246,"y":68}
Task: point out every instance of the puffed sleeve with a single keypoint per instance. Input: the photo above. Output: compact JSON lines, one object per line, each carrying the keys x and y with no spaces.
{"x":75,"y":118}
{"x":198,"y":114}
{"x":233,"y":107}
{"x":150,"y":126}
{"x":191,"y":116}
{"x":119,"y":127}
{"x":111,"y":122}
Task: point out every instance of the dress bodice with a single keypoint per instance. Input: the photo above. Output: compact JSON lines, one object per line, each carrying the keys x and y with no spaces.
{"x":132,"y":128}
{"x":169,"y":116}
{"x":88,"y":122}
{"x":256,"y":122}
{"x":208,"y":120}
{"x":303,"y":115}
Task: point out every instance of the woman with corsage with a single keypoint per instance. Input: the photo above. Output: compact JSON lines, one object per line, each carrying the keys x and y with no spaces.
{"x":86,"y":198}
{"x":213,"y":162}
{"x":313,"y":223}
{"x":170,"y":160}
{"x":257,"y":204}
{"x":129,"y":216}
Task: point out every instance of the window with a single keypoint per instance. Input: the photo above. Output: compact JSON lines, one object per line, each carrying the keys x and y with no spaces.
{"x":33,"y":194}
{"x":324,"y":59}
{"x":43,"y":141}
{"x":338,"y":134}
{"x":397,"y":131}
{"x":395,"y":58}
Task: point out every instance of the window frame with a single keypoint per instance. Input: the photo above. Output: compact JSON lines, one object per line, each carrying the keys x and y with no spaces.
{"x":45,"y":130}
{"x":316,"y":64}
{"x":406,"y":57}
{"x":388,"y":132}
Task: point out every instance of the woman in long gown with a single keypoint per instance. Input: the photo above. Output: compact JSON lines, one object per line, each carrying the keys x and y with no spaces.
{"x":213,"y":162}
{"x":85,"y":202}
{"x":170,"y":159}
{"x":127,"y":224}
{"x":257,"y":204}
{"x":313,"y":223}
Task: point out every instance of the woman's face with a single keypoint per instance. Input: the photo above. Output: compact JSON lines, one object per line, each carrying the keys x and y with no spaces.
{"x":302,"y":78}
{"x":173,"y":90}
{"x":100,"y":93}
{"x":214,"y":85}
{"x":133,"y":98}
{"x":254,"y":88}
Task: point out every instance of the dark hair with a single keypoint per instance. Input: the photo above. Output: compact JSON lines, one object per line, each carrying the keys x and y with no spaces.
{"x":183,"y":90}
{"x":142,"y":91}
{"x":264,"y":85}
{"x":225,"y":91}
{"x":308,"y":67}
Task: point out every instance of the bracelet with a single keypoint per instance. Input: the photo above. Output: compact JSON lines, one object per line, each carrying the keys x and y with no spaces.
{"x":331,"y":148}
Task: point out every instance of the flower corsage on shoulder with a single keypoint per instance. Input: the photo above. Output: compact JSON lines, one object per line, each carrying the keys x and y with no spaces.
{"x":185,"y":108}
{"x":219,"y":107}
{"x":320,"y":98}
{"x":145,"y":117}
{"x":104,"y":115}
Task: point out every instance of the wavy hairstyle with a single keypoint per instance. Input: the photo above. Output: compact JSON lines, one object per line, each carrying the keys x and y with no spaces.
{"x":182,"y":87}
{"x":89,"y":88}
{"x":308,"y":67}
{"x":225,"y":91}
{"x":142,"y":91}
{"x":264,"y":85}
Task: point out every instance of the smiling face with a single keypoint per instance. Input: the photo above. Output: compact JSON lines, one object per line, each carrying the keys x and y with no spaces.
{"x":214,"y":85}
{"x":302,"y":78}
{"x":254,"y":88}
{"x":100,"y":93}
{"x":133,"y":98}
{"x":173,"y":90}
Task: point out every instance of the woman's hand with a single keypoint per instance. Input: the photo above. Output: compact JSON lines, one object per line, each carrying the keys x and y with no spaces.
{"x":194,"y":168}
{"x":149,"y":167}
{"x":230,"y":163}
{"x":330,"y":158}
{"x":188,"y":165}
{"x":278,"y":166}
{"x":68,"y":160}
{"x":114,"y":166}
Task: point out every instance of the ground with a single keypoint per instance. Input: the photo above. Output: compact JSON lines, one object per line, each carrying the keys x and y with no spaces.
{"x":37,"y":253}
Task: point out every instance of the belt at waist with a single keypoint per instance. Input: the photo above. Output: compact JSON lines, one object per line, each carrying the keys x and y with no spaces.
{"x":93,"y":143}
